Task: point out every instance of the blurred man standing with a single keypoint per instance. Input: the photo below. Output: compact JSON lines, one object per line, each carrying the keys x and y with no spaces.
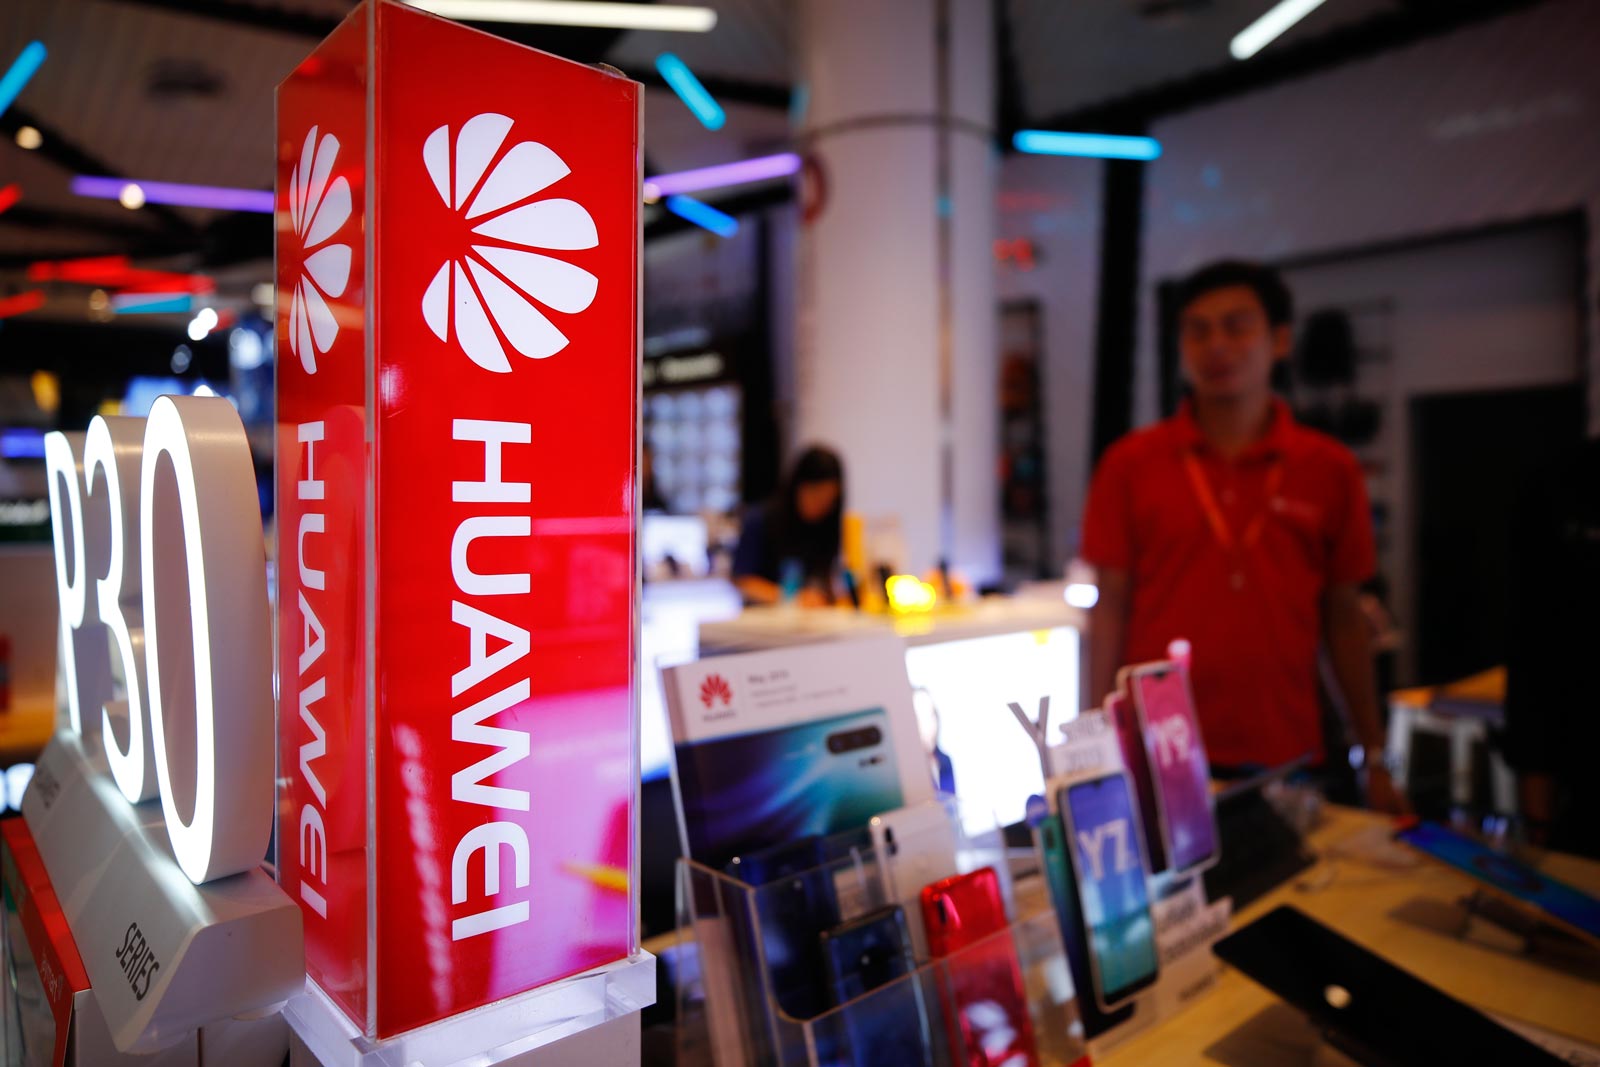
{"x":1231,"y":525}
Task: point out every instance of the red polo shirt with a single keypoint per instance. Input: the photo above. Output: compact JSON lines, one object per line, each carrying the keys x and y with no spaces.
{"x":1235,"y":556}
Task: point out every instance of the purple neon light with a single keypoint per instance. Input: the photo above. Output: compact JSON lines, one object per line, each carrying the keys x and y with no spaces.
{"x":746,"y":170}
{"x":178,"y":194}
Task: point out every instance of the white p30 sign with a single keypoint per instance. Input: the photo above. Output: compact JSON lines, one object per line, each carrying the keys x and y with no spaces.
{"x":162,"y":514}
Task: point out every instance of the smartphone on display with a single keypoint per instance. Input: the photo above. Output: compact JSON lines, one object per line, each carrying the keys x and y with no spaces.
{"x":1561,"y":904}
{"x":1372,"y":1010}
{"x":1130,"y":739}
{"x":1177,"y":758}
{"x":744,"y":792}
{"x":914,"y":847}
{"x":1103,"y":836}
{"x":794,"y":902}
{"x":985,"y":1002}
{"x":1059,"y":879}
{"x":862,"y":956}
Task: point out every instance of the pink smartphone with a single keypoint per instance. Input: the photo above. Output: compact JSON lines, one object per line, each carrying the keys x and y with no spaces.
{"x":1177,"y":759}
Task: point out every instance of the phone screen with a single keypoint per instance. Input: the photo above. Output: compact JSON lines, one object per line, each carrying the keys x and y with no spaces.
{"x":1110,"y":869}
{"x":1178,"y":765}
{"x":745,"y":792}
{"x":1058,"y":876}
{"x":1515,"y":879}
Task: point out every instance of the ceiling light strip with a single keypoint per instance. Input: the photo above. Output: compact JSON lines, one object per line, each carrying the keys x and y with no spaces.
{"x":613,"y":16}
{"x":703,"y":215}
{"x":219,"y":198}
{"x":761,"y":168}
{"x":22,"y":69}
{"x":1086,"y":145}
{"x":681,"y":80}
{"x":1269,"y":27}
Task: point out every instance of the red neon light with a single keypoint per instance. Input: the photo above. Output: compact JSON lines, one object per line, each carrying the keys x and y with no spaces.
{"x":8,"y":196}
{"x":115,"y":272}
{"x":32,"y":300}
{"x":91,"y":271}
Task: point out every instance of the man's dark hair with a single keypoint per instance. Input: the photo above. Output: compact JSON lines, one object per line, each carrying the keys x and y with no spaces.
{"x":1227,"y":273}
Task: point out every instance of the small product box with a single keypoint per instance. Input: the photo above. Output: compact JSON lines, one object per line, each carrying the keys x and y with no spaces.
{"x":50,"y":1017}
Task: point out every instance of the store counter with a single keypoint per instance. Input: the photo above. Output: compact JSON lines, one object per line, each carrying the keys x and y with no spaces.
{"x":1411,"y":917}
{"x":967,"y":663}
{"x":778,"y":627}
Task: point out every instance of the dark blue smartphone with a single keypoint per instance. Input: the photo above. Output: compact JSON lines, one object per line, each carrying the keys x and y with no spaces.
{"x":880,"y":1026}
{"x":1104,"y":839}
{"x":794,"y":903}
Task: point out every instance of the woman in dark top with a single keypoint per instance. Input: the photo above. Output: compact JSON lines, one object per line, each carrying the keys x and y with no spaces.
{"x":797,"y":531}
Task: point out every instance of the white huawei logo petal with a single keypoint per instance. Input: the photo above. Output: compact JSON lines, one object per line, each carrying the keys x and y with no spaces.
{"x":494,"y":291}
{"x":318,"y":209}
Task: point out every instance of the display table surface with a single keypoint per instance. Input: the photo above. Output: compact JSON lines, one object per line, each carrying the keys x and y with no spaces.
{"x":1408,"y":916}
{"x":780,"y":626}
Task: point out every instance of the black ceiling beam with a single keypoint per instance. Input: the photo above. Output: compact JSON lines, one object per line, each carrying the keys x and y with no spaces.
{"x":585,"y":44}
{"x":258,"y":16}
{"x":29,"y":217}
{"x":727,"y":90}
{"x":1417,"y":21}
{"x":743,"y":204}
{"x":74,"y":160}
{"x":1011,"y":109}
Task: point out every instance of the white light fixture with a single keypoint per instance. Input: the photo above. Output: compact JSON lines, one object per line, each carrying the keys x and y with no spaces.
{"x":28,"y":137}
{"x":202,"y":324}
{"x":576,"y":13}
{"x":1082,"y":595}
{"x":131,"y":197}
{"x":264,"y":294}
{"x":1269,"y":27}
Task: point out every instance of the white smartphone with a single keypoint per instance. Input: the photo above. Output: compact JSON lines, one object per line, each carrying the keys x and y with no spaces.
{"x":915,"y":847}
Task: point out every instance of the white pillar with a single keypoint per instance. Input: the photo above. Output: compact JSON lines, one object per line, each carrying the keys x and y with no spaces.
{"x":897,"y":364}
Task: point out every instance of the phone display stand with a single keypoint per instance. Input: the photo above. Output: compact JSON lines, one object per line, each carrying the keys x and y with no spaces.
{"x":1495,"y":923}
{"x":1185,"y":924}
{"x":749,"y":994}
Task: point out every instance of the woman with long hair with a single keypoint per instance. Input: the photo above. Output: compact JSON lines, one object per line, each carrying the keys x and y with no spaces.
{"x":793,"y":539}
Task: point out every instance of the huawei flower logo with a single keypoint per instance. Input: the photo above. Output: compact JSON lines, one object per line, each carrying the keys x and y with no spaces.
{"x":490,"y":296}
{"x":318,"y":209}
{"x":715,"y":688}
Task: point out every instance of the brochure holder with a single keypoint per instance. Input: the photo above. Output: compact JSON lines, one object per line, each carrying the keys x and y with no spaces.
{"x":742,"y":981}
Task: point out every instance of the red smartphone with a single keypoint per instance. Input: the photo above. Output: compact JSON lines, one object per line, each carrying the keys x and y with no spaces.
{"x":985,"y":1005}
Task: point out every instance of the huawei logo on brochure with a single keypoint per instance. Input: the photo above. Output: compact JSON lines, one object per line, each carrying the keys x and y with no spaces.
{"x":713,"y":689}
{"x":318,"y":209}
{"x":493,"y":293}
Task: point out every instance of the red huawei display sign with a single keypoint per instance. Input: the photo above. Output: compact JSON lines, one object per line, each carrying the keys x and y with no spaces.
{"x":457,"y":326}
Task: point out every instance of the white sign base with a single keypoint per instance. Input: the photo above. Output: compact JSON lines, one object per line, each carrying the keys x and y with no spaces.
{"x":163,"y":955}
{"x":504,"y":1032}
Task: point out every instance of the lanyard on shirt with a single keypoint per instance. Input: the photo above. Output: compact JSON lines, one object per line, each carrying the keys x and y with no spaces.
{"x":1214,"y":517}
